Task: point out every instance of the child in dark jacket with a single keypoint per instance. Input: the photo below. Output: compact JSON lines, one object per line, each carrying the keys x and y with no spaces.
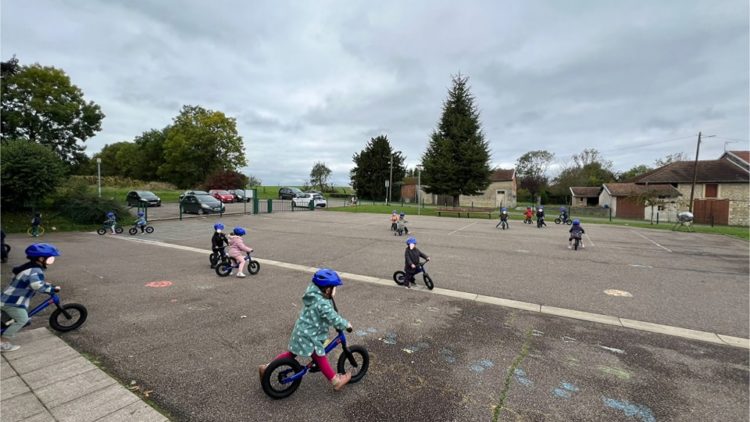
{"x":576,"y":232}
{"x":219,"y":241}
{"x":411,"y":258}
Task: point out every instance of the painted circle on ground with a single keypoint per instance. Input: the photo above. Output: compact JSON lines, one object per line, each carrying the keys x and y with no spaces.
{"x":618,"y":293}
{"x":162,"y":283}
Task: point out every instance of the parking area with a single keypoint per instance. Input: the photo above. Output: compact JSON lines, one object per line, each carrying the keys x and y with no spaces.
{"x":197,"y":341}
{"x":171,"y":210}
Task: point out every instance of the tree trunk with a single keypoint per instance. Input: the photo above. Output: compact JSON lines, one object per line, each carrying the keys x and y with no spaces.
{"x":456,"y":202}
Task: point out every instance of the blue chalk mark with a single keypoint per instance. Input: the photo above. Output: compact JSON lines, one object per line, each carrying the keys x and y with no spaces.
{"x":486,"y":363}
{"x":632,"y":410}
{"x":447,"y":355}
{"x":570,"y":387}
{"x":372,"y":330}
{"x":476,"y":367}
{"x":390,"y":338}
{"x":449,"y":359}
{"x":520,"y":376}
{"x":423,"y":345}
{"x":559,"y":392}
{"x":361,"y":333}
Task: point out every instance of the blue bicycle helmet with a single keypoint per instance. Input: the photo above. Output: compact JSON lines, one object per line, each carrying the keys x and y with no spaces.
{"x":411,"y":241}
{"x":326,"y":277}
{"x":503,"y":209}
{"x":140,"y":214}
{"x":576,"y":222}
{"x":110,"y":214}
{"x":394,"y":212}
{"x":42,"y":250}
{"x":218,"y":226}
{"x":402,"y":215}
{"x":239,"y":231}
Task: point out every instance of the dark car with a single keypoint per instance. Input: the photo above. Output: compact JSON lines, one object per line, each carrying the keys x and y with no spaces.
{"x":137,"y":197}
{"x":201,"y":204}
{"x":289,"y":193}
{"x":193,"y":192}
{"x":242,"y":195}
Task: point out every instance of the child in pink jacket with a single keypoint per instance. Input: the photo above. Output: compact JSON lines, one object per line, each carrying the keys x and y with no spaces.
{"x":238,"y":249}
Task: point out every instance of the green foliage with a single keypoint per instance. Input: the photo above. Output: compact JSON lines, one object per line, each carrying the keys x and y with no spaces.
{"x":319,"y":176}
{"x":224,"y":179}
{"x":457,"y":161}
{"x":254,"y":181}
{"x":29,"y":172}
{"x":372,"y":167}
{"x":589,"y":169}
{"x":200,"y":142}
{"x":633,"y":173}
{"x":531,"y":169}
{"x":40,"y":104}
{"x":77,"y":203}
{"x":150,"y":154}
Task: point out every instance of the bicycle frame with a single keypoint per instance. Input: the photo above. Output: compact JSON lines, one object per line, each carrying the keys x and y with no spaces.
{"x":54,"y":299}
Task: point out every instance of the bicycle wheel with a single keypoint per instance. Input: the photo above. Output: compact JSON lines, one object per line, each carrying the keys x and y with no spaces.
{"x":361,"y":357}
{"x":253,"y":267}
{"x":101,"y":231}
{"x":576,"y":244}
{"x":398,"y":277}
{"x":133,"y":231}
{"x":118,"y":230}
{"x":224,"y":268}
{"x":558,"y":221}
{"x":276,"y":373}
{"x":213,"y":258}
{"x":149,"y":229}
{"x":75,"y":311}
{"x":428,"y":282}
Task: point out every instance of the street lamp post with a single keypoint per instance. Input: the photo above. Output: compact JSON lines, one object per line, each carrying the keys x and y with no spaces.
{"x":419,"y":189}
{"x":390,"y":178}
{"x":99,"y":174}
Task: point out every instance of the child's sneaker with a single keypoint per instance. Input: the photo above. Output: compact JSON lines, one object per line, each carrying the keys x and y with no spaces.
{"x":340,"y":380}
{"x":569,"y":247}
{"x":583,"y":246}
{"x":241,"y":275}
{"x":7,"y":347}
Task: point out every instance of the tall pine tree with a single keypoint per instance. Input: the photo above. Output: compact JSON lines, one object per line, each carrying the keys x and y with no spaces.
{"x":372,"y":169}
{"x":457,"y":161}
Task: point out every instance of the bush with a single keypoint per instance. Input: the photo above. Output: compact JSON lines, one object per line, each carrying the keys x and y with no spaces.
{"x":29,"y":172}
{"x":226,"y":180}
{"x":124,"y":182}
{"x":77,"y":203}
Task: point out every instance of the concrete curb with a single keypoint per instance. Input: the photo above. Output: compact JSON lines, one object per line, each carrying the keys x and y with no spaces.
{"x":48,"y":380}
{"x":508,"y":303}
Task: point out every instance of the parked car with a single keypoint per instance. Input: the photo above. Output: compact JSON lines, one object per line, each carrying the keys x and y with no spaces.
{"x":289,"y":193}
{"x":242,"y":195}
{"x":137,"y":197}
{"x":303,"y":200}
{"x":201,"y":204}
{"x":221,"y":195}
{"x":193,"y":192}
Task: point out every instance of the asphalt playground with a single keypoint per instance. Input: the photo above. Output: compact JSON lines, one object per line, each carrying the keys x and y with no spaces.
{"x":160,"y":319}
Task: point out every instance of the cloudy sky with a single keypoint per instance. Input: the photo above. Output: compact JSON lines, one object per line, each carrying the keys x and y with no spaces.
{"x":314,"y":81}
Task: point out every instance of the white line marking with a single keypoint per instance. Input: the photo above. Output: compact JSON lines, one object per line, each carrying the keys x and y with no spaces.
{"x":666,"y":249}
{"x":527,"y":306}
{"x":589,"y":238}
{"x":464,"y":227}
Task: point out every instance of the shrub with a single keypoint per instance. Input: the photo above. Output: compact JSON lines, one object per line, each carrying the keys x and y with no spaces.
{"x":226,"y":180}
{"x":77,"y":203}
{"x":29,"y":172}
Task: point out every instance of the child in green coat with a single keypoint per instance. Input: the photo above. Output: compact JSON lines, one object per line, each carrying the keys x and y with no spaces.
{"x":311,"y":330}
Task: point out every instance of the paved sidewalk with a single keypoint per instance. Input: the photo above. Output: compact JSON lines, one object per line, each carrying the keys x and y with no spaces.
{"x":47,"y":380}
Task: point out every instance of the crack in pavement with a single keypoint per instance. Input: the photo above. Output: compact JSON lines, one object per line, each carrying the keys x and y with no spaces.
{"x":516,"y":362}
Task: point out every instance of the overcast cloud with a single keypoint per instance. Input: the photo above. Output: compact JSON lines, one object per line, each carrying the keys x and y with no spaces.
{"x":314,"y":81}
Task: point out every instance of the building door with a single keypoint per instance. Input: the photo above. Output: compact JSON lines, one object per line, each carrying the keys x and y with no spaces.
{"x":500,"y":198}
{"x":711,"y":211}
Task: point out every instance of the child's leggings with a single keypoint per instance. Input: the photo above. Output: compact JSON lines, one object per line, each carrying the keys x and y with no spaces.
{"x":20,"y":315}
{"x":321,"y":361}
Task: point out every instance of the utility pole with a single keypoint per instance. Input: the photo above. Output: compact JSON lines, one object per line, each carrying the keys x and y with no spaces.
{"x":390,"y":181}
{"x":695,"y":171}
{"x":419,"y":189}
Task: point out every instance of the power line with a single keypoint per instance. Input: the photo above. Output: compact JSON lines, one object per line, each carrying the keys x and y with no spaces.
{"x":732,"y":139}
{"x":647,"y":142}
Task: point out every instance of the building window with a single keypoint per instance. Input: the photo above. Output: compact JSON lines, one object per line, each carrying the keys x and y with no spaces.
{"x":712,"y":190}
{"x":661,"y":208}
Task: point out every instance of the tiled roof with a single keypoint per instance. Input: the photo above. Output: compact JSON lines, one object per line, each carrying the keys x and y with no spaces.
{"x":502,"y":175}
{"x":586,"y":192}
{"x":709,"y":171}
{"x":745,"y":155}
{"x":632,"y":189}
